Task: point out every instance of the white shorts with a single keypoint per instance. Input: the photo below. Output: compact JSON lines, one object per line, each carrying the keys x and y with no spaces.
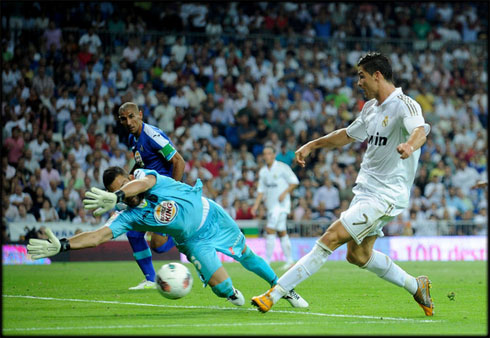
{"x":277,"y":220}
{"x":367,"y":215}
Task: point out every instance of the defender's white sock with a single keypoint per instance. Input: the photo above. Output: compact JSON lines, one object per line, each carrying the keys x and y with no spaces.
{"x":384,"y":267}
{"x":304,"y":268}
{"x":286,"y":248}
{"x":270,"y":240}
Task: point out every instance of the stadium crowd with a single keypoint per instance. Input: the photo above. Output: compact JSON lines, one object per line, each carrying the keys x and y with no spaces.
{"x":224,"y":79}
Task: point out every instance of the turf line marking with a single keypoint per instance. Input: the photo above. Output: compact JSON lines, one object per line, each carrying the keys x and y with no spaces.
{"x":226,"y":308}
{"x":145,"y":326}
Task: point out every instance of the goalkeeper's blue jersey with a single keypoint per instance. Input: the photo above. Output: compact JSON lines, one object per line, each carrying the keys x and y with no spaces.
{"x":169,"y":207}
{"x":149,"y":146}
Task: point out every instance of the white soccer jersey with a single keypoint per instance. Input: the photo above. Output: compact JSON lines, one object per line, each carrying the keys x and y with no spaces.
{"x":383,"y":172}
{"x":273,"y":182}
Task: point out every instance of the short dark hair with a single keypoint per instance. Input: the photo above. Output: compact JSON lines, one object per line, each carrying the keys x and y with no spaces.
{"x":110,"y":175}
{"x":374,"y":61}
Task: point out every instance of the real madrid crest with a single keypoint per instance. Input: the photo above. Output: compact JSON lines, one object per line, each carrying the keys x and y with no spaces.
{"x":385,"y":122}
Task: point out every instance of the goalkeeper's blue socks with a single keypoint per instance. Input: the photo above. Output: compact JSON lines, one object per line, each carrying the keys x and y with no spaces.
{"x":259,"y":266}
{"x":142,"y":253}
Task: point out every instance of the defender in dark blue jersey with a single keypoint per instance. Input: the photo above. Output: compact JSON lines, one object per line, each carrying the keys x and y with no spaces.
{"x":152,"y":149}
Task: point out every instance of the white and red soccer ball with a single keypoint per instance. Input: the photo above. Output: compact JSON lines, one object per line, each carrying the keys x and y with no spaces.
{"x":174,"y":280}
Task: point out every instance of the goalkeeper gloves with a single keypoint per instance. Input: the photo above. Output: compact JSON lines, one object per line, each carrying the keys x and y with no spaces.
{"x":41,"y":248}
{"x":101,"y":200}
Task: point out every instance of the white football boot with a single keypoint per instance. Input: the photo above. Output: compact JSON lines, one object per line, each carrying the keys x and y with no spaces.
{"x":237,"y":298}
{"x":146,"y":284}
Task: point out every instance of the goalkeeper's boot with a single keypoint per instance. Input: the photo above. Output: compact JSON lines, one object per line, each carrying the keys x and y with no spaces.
{"x":264,"y":301}
{"x":146,"y":284}
{"x":237,"y":298}
{"x":422,"y":295}
{"x":295,"y":300}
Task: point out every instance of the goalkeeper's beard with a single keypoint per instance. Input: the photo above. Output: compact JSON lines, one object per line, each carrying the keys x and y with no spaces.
{"x":134,"y":201}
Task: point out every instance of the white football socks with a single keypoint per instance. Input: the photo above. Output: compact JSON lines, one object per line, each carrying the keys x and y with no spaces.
{"x":304,"y":268}
{"x":384,"y":267}
{"x":286,"y":248}
{"x":270,"y":240}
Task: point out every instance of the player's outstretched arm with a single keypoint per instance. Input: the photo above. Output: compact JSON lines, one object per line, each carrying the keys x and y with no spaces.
{"x":336,"y":139}
{"x":90,"y":239}
{"x":41,"y":248}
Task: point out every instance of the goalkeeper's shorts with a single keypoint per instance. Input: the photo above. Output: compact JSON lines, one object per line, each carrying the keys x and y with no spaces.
{"x":218,"y":233}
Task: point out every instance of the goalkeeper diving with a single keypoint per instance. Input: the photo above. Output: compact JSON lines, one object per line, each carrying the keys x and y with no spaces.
{"x":199,"y":226}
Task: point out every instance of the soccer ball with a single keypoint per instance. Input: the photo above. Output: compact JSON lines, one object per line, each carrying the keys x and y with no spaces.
{"x":174,"y":280}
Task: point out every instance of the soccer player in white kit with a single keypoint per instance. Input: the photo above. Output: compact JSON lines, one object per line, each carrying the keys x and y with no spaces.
{"x":276,"y":182}
{"x":393,"y":125}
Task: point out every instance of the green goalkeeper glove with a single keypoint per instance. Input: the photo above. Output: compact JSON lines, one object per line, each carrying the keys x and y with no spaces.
{"x":41,"y":248}
{"x":101,"y":200}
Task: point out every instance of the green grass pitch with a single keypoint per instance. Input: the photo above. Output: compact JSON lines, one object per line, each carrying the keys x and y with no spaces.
{"x":93,"y":299}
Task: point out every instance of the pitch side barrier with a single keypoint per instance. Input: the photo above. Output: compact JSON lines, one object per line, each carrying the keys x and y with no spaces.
{"x":399,"y":248}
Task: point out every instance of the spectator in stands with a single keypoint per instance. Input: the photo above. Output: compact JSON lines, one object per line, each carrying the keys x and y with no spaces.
{"x":47,"y":213}
{"x":200,"y":129}
{"x":24,"y":216}
{"x":481,"y":221}
{"x":217,"y":141}
{"x":165,"y":113}
{"x":83,"y":218}
{"x":37,"y":202}
{"x":285,"y":155}
{"x":37,"y":147}
{"x":49,"y":174}
{"x":9,"y":211}
{"x":178,"y":50}
{"x":64,"y":213}
{"x":92,"y":39}
{"x":328,"y":195}
{"x":195,"y":95}
{"x":54,"y":192}
{"x":53,"y":36}
{"x":15,"y":146}
{"x":222,"y":116}
{"x":17,"y":198}
{"x":434,"y":190}
{"x":242,"y":210}
{"x":42,"y":82}
{"x":464,"y":176}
